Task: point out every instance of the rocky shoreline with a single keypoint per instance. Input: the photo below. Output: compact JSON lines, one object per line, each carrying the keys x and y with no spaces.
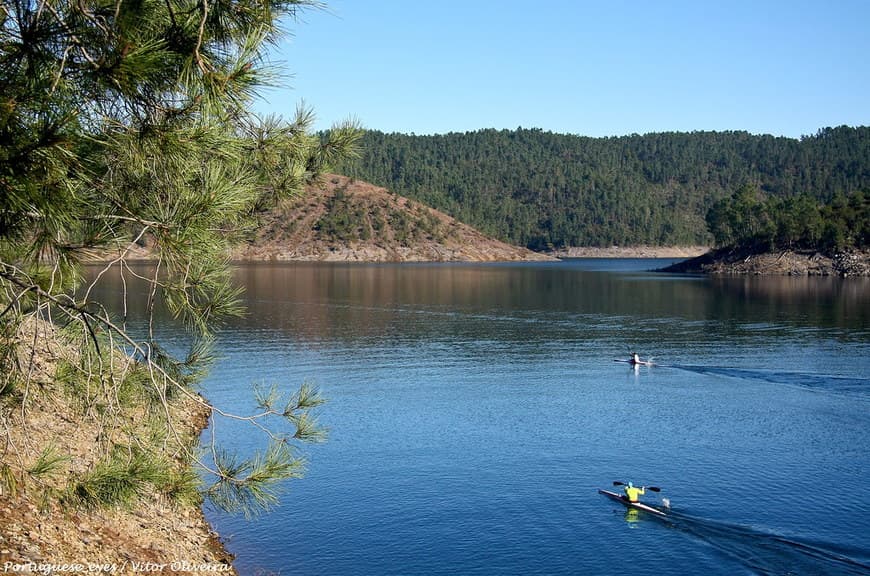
{"x":154,"y":537}
{"x":631,"y":252}
{"x":853,"y":263}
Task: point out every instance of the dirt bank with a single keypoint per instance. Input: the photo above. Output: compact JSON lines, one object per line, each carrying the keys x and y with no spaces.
{"x":41,"y":531}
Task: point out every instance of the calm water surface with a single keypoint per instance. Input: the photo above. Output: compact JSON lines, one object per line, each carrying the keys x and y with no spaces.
{"x":475,"y":410}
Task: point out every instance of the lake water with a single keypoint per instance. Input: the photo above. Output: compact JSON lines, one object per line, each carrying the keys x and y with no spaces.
{"x":475,"y":410}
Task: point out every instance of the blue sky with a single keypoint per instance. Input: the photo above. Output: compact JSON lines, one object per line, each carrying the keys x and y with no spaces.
{"x":604,"y":68}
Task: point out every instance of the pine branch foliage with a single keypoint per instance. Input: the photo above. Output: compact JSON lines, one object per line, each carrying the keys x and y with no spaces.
{"x":127,"y":123}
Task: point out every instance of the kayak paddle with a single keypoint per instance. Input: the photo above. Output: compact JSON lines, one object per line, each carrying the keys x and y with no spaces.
{"x":651,"y":488}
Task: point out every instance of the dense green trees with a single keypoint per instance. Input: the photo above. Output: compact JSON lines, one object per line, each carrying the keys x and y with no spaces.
{"x":123,"y":122}
{"x":536,"y":188}
{"x":749,"y":219}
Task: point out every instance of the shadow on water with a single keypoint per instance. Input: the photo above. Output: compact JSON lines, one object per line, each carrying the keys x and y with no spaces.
{"x":769,"y":553}
{"x":841,"y":384}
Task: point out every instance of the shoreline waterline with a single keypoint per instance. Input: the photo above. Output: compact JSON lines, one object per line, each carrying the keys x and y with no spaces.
{"x":631,"y":252}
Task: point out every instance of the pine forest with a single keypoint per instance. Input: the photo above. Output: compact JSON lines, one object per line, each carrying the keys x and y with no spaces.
{"x":545,"y":190}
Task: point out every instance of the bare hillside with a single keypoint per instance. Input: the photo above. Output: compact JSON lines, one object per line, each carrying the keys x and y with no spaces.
{"x":349,"y":220}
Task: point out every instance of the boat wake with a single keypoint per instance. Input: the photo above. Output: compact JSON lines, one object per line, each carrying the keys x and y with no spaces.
{"x":770,"y":553}
{"x":841,"y":384}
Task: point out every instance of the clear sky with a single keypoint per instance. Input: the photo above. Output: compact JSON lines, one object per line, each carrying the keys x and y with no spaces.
{"x":593,"y":68}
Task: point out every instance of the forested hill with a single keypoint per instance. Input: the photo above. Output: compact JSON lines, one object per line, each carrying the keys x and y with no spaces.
{"x":537,"y":189}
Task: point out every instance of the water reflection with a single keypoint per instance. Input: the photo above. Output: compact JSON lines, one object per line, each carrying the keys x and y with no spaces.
{"x":841,"y":302}
{"x":549,"y":304}
{"x":316,"y":300}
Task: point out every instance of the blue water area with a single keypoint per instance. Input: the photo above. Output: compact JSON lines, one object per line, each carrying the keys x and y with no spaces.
{"x":475,"y":410}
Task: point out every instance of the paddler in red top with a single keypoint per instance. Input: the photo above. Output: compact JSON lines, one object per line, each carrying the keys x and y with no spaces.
{"x":632,"y":493}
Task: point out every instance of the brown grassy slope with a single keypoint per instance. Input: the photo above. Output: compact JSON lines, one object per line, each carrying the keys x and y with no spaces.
{"x":349,"y":220}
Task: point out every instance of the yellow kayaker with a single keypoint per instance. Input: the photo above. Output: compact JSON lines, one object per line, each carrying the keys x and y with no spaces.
{"x":632,"y":493}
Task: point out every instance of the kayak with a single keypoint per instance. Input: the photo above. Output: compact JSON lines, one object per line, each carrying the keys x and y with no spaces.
{"x":637,"y":505}
{"x":635,"y":362}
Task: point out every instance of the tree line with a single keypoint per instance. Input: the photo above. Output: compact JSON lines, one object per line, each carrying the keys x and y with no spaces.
{"x":541,"y":189}
{"x":749,"y":219}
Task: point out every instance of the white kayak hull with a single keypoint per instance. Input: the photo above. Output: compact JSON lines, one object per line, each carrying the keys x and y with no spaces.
{"x":636,"y":505}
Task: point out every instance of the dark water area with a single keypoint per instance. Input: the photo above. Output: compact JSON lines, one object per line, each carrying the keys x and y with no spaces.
{"x":475,"y":410}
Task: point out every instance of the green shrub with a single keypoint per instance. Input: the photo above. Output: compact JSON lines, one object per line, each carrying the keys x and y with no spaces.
{"x":48,"y":464}
{"x":119,"y":480}
{"x":182,"y":486}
